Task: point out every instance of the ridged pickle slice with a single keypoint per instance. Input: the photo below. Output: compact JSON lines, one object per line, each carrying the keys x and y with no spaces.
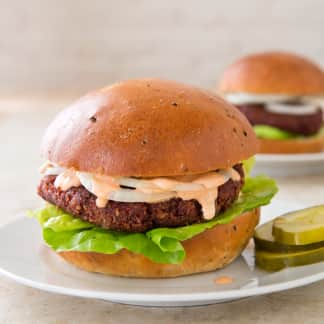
{"x":264,"y":240}
{"x":301,"y":227}
{"x":272,"y":261}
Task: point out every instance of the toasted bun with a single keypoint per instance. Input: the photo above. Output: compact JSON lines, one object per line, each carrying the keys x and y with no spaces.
{"x":305,"y":145}
{"x":149,"y":128}
{"x":273,"y":73}
{"x":210,"y":250}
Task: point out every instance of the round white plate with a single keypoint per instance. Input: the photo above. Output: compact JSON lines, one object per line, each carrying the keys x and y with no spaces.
{"x":25,"y":259}
{"x":289,"y":164}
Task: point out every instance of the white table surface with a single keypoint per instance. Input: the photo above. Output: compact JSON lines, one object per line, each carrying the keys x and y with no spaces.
{"x":21,"y":126}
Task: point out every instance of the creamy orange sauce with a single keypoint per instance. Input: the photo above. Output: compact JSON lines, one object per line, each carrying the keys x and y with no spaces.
{"x":203,"y":187}
{"x":206,"y":198}
{"x":165,"y":184}
{"x":67,"y":180}
{"x":206,"y":195}
{"x":102,"y":186}
{"x":211,"y":180}
{"x":235,"y":176}
{"x":224,"y":280}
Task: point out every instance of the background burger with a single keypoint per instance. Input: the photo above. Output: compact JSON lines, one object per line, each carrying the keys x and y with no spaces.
{"x":145,"y":179}
{"x":280,"y":94}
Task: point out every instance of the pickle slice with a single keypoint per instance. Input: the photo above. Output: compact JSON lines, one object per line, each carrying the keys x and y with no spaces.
{"x":300,"y":227}
{"x":264,"y":240}
{"x":271,"y":261}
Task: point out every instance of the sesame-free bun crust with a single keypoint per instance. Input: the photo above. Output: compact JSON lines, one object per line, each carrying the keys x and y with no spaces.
{"x":300,"y":145}
{"x":210,"y":250}
{"x":273,"y":73}
{"x":147,"y":128}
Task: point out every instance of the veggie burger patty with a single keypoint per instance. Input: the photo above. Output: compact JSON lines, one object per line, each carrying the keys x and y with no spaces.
{"x":306,"y":125}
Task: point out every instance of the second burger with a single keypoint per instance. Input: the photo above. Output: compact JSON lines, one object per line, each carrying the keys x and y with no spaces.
{"x":280,"y":93}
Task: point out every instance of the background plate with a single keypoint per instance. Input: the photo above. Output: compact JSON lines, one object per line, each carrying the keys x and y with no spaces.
{"x":24,"y":258}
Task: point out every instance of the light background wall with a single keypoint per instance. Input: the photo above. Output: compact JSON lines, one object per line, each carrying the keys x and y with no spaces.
{"x":71,"y":46}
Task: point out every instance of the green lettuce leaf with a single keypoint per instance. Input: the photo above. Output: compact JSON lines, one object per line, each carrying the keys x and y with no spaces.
{"x":248,"y":165}
{"x":274,"y":133}
{"x":63,"y":232}
{"x":269,"y":132}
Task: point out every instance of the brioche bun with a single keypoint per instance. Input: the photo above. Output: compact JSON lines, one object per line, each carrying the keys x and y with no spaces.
{"x":290,"y":146}
{"x":210,"y":250}
{"x":273,"y":73}
{"x":148,"y":128}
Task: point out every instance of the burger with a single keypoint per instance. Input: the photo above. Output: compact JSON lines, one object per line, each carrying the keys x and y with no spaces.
{"x":148,"y":178}
{"x":280,"y":94}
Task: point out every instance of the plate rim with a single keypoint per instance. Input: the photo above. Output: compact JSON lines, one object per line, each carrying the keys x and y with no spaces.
{"x":160,"y":298}
{"x":147,"y":298}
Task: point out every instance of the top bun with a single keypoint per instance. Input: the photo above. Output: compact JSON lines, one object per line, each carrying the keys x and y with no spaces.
{"x":149,"y":127}
{"x":273,"y":73}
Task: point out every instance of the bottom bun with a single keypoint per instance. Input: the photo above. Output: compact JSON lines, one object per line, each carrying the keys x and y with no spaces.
{"x":300,"y":145}
{"x":210,"y":250}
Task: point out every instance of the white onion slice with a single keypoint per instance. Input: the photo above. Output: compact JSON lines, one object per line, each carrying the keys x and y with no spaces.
{"x":136,"y":183}
{"x":55,"y":170}
{"x":150,"y":191}
{"x":129,"y":195}
{"x":316,"y":100}
{"x":158,"y":184}
{"x":189,"y":187}
{"x":280,"y":108}
{"x":212,"y":180}
{"x":86,"y":180}
{"x":147,"y":191}
{"x":242,"y":98}
{"x":250,"y":98}
{"x":126,"y":195}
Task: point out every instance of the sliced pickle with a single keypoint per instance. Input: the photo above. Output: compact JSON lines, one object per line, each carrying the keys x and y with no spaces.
{"x":300,"y":227}
{"x":272,"y":261}
{"x":264,"y":240}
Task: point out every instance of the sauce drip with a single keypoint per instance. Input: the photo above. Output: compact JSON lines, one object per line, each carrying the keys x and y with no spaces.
{"x":207,"y":193}
{"x":102,"y":186}
{"x":224,"y":280}
{"x":206,"y":198}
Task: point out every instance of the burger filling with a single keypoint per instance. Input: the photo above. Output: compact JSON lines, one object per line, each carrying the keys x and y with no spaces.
{"x":151,"y":216}
{"x":137,"y":205}
{"x":280,"y":116}
{"x":143,"y":204}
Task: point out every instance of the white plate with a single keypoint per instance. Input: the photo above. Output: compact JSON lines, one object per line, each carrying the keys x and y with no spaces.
{"x":289,"y":164}
{"x":25,"y":259}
